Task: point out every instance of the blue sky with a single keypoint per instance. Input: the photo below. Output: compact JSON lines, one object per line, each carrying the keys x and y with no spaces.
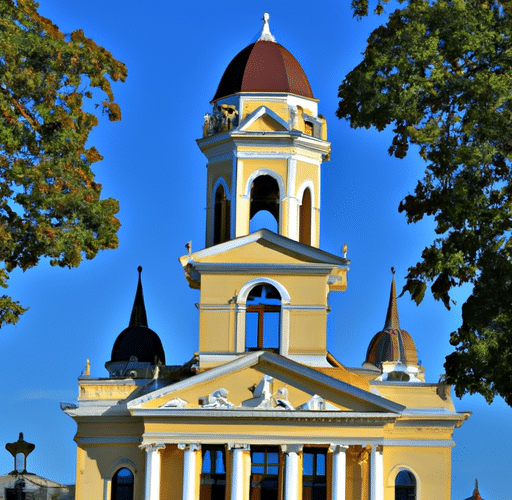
{"x":176,"y":54}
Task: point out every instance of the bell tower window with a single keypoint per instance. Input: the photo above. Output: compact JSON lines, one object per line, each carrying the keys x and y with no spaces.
{"x":263,"y":319}
{"x":221,"y":216}
{"x":305,"y":218}
{"x":265,"y":196}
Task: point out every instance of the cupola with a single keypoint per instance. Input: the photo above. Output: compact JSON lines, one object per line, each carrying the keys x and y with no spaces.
{"x":265,"y":143}
{"x":137,"y":349}
{"x":264,"y":66}
{"x":392,"y":350}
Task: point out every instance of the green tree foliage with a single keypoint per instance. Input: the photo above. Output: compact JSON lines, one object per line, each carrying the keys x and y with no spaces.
{"x":50,"y":205}
{"x":440,"y":73}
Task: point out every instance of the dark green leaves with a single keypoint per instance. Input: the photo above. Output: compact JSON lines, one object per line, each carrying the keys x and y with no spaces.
{"x":439,"y":72}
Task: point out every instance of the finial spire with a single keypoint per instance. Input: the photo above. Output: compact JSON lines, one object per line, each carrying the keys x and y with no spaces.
{"x":265,"y":32}
{"x":392,"y":322}
{"x":138,"y":317}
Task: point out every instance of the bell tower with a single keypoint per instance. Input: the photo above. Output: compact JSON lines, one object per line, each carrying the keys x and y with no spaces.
{"x":264,"y":142}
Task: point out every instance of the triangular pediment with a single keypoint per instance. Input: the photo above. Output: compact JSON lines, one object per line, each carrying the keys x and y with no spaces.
{"x":264,"y":381}
{"x":263,"y":119}
{"x":264,"y":246}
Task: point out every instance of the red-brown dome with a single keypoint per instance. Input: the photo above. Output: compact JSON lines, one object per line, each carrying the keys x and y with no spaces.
{"x":264,"y":66}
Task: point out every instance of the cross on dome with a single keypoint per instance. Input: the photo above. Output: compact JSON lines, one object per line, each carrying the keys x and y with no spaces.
{"x":265,"y":32}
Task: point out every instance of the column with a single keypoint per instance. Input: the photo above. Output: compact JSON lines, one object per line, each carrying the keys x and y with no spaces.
{"x":189,"y":469}
{"x":339,"y":471}
{"x":237,"y":471}
{"x":291,"y":474}
{"x":376,"y":474}
{"x":152,"y":483}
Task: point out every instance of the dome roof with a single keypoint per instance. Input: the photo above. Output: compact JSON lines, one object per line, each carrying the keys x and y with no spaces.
{"x":138,"y":340}
{"x":392,"y":343}
{"x":264,"y":66}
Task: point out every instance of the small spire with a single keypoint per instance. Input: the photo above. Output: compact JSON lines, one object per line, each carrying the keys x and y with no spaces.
{"x":138,"y":317}
{"x":392,"y":322}
{"x":265,"y":32}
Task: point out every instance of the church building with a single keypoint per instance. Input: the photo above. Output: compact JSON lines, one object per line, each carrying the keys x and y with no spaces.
{"x":262,"y":410}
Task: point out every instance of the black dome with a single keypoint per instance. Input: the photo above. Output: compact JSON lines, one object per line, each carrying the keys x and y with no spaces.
{"x":138,"y":341}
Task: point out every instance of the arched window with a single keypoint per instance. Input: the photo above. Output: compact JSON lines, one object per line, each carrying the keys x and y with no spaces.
{"x":305,"y":218}
{"x":213,"y":473}
{"x":122,"y":485}
{"x":221,"y":216}
{"x":405,"y":486}
{"x":262,"y":325}
{"x":265,"y":196}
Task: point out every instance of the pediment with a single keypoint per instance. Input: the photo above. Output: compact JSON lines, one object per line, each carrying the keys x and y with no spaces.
{"x":264,"y":381}
{"x":264,"y":246}
{"x":263,"y":119}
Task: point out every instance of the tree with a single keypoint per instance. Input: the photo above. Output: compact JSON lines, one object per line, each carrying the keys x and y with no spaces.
{"x":440,"y":73}
{"x":50,"y":205}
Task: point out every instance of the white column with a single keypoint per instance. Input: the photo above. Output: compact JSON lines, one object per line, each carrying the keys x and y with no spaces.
{"x":291,"y":475}
{"x":237,"y":471}
{"x":376,"y":474}
{"x":339,"y":471}
{"x":152,"y":480}
{"x":107,"y":483}
{"x":189,"y":469}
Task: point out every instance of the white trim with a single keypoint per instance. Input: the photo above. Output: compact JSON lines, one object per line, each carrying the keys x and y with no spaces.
{"x":257,"y":114}
{"x":292,"y":201}
{"x":399,"y":468}
{"x":234,"y":188}
{"x":219,"y":181}
{"x":240,"y":321}
{"x":121,"y":463}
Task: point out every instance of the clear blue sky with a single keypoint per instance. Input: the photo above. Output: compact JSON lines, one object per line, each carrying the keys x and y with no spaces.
{"x":176,"y":53}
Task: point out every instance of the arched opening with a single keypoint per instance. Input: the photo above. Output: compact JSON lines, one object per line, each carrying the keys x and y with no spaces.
{"x":263,"y":220}
{"x":265,"y":196}
{"x":263,"y":318}
{"x":305,"y":218}
{"x":405,"y":486}
{"x":213,"y":473}
{"x":308,"y":127}
{"x":221,"y":219}
{"x":122,"y":485}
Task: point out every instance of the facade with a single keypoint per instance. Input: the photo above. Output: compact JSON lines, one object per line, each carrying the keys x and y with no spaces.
{"x":263,"y":410}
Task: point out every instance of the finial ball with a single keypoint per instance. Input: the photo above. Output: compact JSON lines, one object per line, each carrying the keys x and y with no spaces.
{"x":266,"y":16}
{"x":139,"y":269}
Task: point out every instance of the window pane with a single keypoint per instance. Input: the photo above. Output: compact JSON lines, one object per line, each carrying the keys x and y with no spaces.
{"x":219,"y":462}
{"x":271,"y":329}
{"x":405,"y":478}
{"x":273,"y":458}
{"x":258,"y":457}
{"x":257,"y":469}
{"x":308,"y":464}
{"x":273,"y":470}
{"x":207,"y":462}
{"x":320,"y":464}
{"x":251,"y":330}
